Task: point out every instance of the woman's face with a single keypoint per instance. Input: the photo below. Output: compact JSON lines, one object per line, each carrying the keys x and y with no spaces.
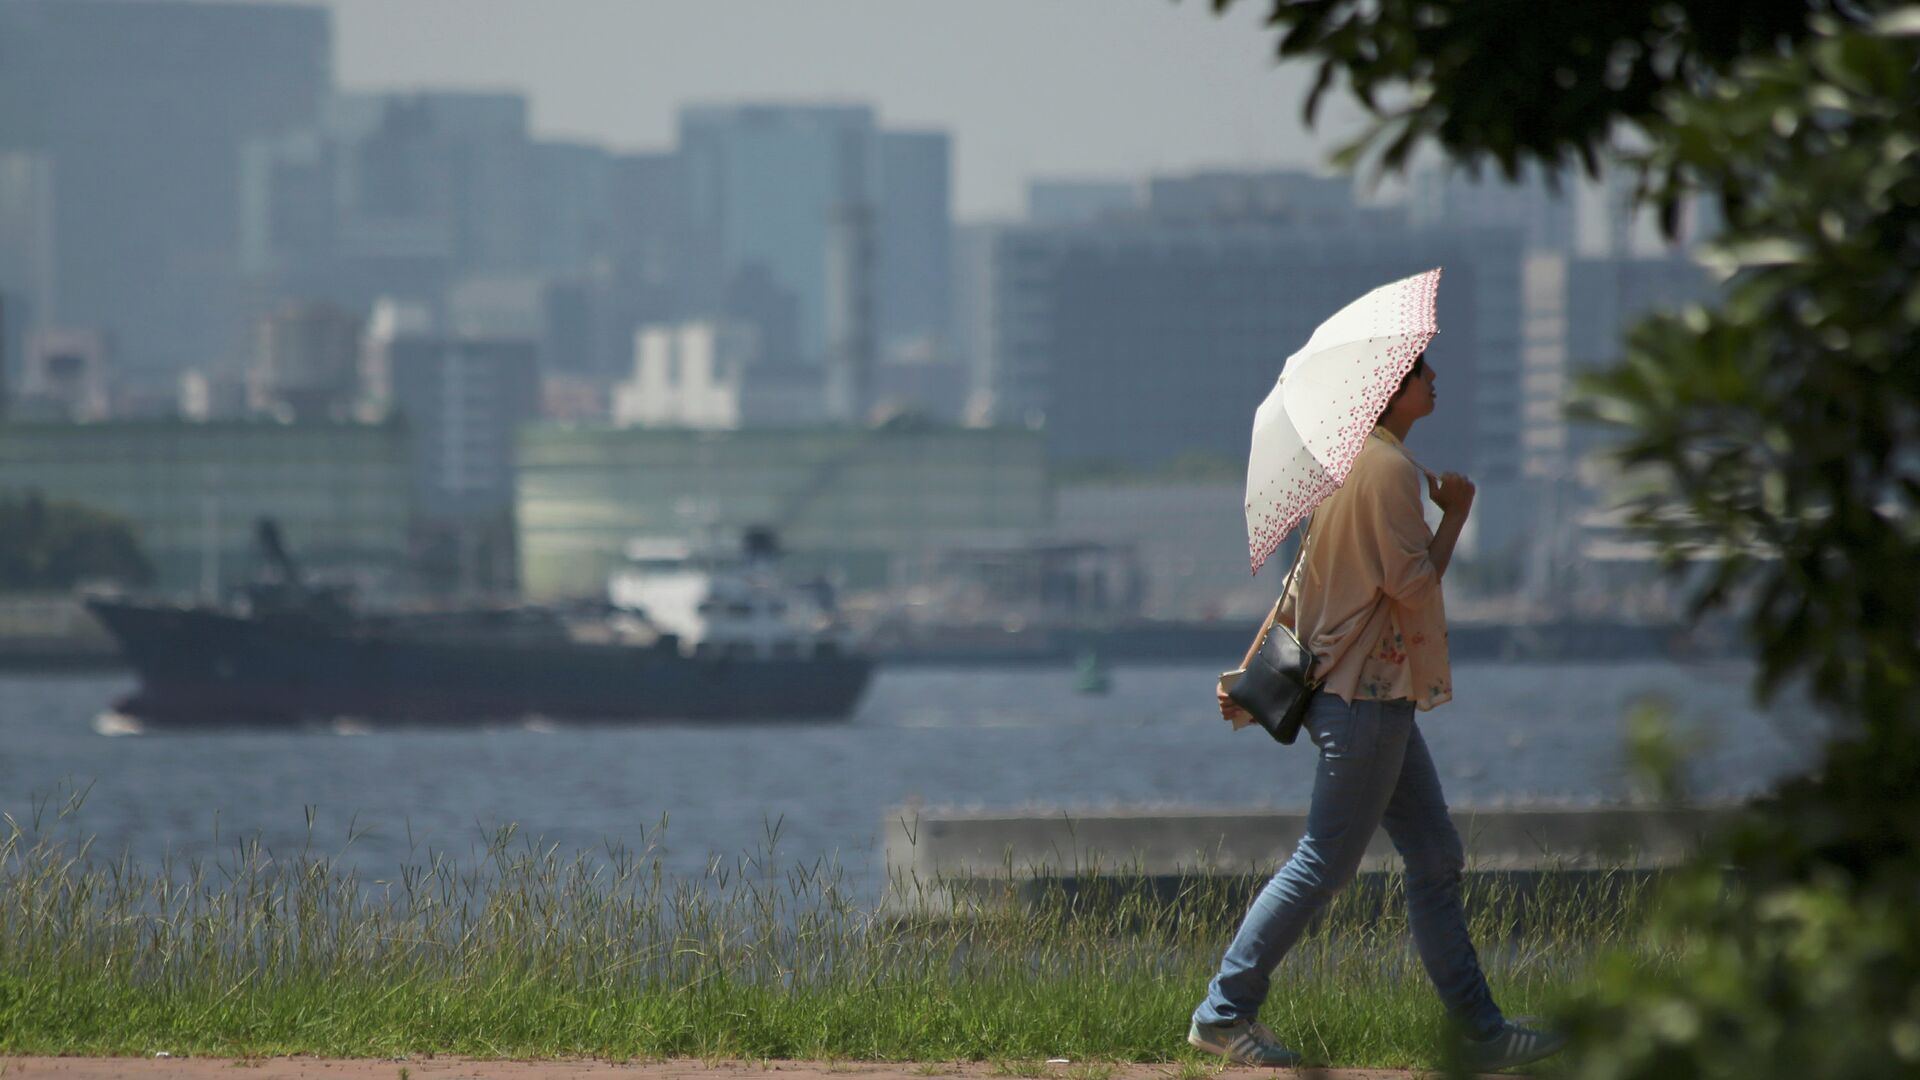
{"x":1416,"y":400}
{"x":1420,"y":390}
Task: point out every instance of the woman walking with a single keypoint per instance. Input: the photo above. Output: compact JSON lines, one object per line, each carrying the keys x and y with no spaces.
{"x":1366,"y":602}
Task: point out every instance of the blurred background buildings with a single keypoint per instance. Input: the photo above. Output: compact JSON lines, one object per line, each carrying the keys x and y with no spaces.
{"x":476,"y":361}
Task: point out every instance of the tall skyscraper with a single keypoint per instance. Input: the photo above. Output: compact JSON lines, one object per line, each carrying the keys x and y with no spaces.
{"x":122,"y":121}
{"x":570,"y":206}
{"x":463,"y":399}
{"x":829,"y":236}
{"x":1578,"y":313}
{"x":914,"y":233}
{"x":764,"y":185}
{"x":26,"y":243}
{"x":400,"y":194}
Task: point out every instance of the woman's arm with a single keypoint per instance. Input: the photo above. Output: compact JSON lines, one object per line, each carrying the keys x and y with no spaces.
{"x":1392,"y":523}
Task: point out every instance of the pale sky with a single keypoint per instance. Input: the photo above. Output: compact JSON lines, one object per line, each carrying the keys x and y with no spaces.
{"x":1110,"y":89}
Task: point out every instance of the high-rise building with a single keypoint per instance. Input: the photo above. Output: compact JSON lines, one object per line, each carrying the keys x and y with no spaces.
{"x":1230,"y":197}
{"x":1133,"y":339}
{"x":764,"y":185}
{"x":462,"y":399}
{"x":120,"y":125}
{"x":1076,"y":202}
{"x":850,"y":314}
{"x":830,"y":236}
{"x":26,"y":246}
{"x":570,"y":206}
{"x":654,"y":273}
{"x":1578,"y":314}
{"x":396,"y":194}
{"x":913,"y":270}
{"x":1545,"y":213}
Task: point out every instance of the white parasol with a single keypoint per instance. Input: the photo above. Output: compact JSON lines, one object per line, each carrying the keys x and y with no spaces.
{"x":1326,"y":402}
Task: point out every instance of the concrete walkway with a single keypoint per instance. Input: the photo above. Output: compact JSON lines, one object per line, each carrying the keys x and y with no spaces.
{"x":451,"y":1068}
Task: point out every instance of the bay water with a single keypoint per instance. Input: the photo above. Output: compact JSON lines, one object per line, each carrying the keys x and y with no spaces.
{"x":1005,"y":740}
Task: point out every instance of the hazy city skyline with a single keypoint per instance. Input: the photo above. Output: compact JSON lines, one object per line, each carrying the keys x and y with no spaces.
{"x":1171,"y":88}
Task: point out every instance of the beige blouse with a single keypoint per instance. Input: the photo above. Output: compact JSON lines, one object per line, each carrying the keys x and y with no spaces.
{"x":1367,"y":599}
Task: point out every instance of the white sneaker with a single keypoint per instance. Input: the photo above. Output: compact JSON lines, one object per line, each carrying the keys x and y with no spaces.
{"x":1246,"y":1042}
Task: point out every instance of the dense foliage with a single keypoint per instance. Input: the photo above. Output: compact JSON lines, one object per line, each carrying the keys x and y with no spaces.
{"x":57,"y":545}
{"x":1779,"y":432}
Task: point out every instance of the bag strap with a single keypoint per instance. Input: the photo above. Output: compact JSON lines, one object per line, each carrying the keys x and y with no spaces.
{"x":1273,"y":617}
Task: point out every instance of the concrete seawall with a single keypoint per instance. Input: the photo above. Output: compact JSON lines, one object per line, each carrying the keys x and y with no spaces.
{"x":934,"y":844}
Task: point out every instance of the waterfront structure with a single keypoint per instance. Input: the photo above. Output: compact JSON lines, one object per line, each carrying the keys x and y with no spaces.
{"x":65,"y":374}
{"x":1190,"y":538}
{"x":193,"y":491}
{"x":306,"y":363}
{"x":212,"y":395}
{"x":854,"y":502}
{"x":120,"y":125}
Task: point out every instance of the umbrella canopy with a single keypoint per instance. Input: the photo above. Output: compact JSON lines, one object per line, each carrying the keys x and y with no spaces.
{"x":1326,"y":402}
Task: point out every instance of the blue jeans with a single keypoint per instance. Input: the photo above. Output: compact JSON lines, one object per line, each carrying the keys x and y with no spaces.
{"x":1374,"y":769}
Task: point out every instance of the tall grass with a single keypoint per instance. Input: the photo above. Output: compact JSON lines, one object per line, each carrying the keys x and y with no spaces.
{"x":528,"y":951}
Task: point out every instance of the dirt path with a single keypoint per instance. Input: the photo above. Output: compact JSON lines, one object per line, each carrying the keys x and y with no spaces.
{"x":449,"y":1068}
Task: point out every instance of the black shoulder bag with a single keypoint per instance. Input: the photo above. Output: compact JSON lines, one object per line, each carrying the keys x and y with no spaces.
{"x":1279,"y":682}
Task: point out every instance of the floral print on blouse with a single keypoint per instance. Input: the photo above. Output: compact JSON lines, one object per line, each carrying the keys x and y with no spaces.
{"x":1367,"y":599}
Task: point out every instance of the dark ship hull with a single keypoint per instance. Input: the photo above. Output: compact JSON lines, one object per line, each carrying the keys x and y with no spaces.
{"x":201,"y":665}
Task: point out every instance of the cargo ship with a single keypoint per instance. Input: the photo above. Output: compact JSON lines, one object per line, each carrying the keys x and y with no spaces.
{"x":746,"y":647}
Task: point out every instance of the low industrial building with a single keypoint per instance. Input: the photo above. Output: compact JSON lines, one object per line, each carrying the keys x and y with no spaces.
{"x":193,"y":491}
{"x":862,"y":505}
